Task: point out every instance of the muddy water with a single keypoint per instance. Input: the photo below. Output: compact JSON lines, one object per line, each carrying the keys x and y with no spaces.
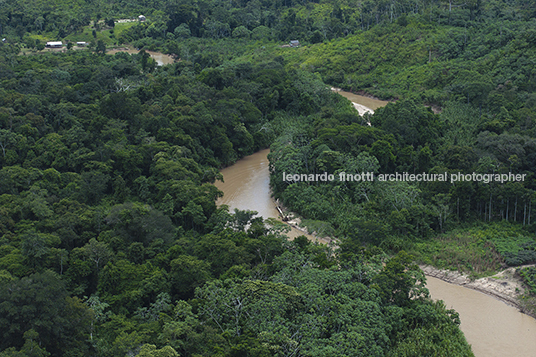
{"x":247,"y":186}
{"x":160,"y":58}
{"x":490,"y":326}
{"x":362,"y":103}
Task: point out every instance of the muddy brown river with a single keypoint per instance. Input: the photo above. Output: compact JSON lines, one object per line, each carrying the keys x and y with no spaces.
{"x":247,"y":186}
{"x":493,"y":328}
{"x":362,"y":104}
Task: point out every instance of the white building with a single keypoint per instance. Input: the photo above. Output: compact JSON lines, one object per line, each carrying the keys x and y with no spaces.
{"x":141,"y":18}
{"x":54,"y":44}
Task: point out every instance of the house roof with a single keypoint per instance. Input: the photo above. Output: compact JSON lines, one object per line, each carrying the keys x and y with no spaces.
{"x":54,"y":43}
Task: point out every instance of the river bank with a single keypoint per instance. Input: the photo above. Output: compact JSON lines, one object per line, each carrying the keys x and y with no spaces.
{"x":295,"y":222}
{"x":505,"y":286}
{"x":492,"y":327}
{"x":488,"y":308}
{"x":372,"y":102}
{"x":363,"y":97}
{"x":362,"y":103}
{"x":251,"y":174}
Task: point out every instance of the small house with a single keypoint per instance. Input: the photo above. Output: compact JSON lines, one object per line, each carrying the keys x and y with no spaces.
{"x":294,"y":43}
{"x":54,"y":44}
{"x":141,"y":18}
{"x":81,"y":44}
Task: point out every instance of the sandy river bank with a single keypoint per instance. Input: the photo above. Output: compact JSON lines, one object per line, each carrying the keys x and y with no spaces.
{"x":505,"y":286}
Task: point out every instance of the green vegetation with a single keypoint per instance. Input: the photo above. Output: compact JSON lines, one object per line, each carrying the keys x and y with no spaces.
{"x":110,"y":240}
{"x":528,"y":301}
{"x":112,"y":243}
{"x":119,"y":28}
{"x":473,"y":65}
{"x":462,"y":62}
{"x":478,"y":250}
{"x":529,"y":278}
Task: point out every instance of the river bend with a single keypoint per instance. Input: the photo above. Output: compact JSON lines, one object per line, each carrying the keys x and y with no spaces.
{"x":493,"y":328}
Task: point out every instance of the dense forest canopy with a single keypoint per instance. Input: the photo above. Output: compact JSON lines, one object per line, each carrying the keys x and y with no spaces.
{"x":314,"y":21}
{"x":477,"y":75}
{"x":111,"y":243}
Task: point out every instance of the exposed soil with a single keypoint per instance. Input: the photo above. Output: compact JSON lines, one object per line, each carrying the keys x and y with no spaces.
{"x":361,"y":109}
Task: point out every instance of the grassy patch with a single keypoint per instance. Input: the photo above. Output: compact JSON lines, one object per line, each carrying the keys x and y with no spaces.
{"x":459,"y":250}
{"x":121,"y":27}
{"x":528,"y":275}
{"x":84,"y":36}
{"x":478,"y":250}
{"x":528,"y":301}
{"x":44,"y":37}
{"x":109,"y":36}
